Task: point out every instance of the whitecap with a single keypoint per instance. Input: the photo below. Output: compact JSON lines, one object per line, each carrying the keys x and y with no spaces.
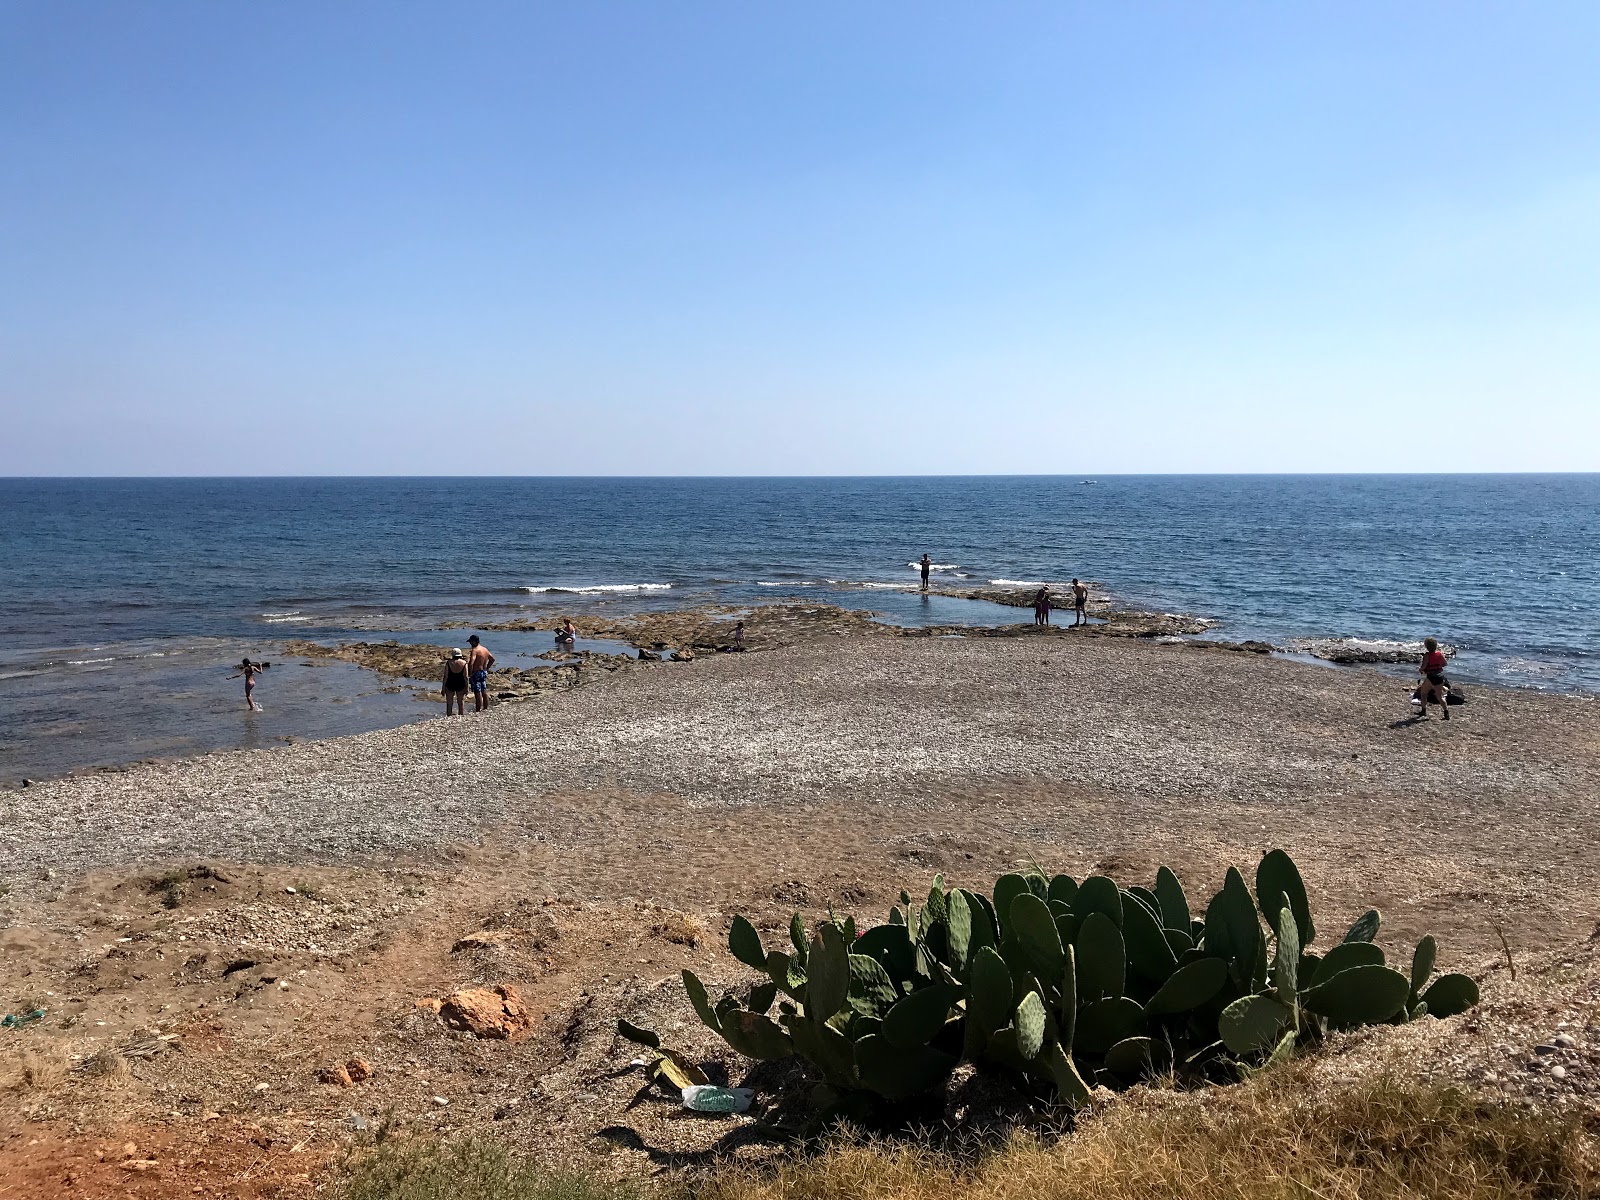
{"x":285,"y":620}
{"x":789,"y":583}
{"x":597,"y":588}
{"x":1017,"y":582}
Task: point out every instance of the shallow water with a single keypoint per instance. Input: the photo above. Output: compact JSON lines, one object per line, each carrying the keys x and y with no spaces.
{"x":124,"y":601}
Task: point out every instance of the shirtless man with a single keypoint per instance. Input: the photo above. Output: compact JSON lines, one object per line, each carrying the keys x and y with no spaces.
{"x":1080,"y":600}
{"x":478,"y":664}
{"x":927,"y":565}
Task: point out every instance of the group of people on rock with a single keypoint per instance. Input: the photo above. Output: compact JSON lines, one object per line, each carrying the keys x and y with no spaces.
{"x":1044,"y":604}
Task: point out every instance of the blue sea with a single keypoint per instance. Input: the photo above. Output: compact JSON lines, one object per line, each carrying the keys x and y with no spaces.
{"x":123,"y":601}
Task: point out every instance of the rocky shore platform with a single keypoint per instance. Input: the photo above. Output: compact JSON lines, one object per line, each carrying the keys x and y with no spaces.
{"x":249,"y":961}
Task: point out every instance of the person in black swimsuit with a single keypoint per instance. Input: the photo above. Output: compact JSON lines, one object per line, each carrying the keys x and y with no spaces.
{"x":927,"y":565}
{"x":455,"y":685}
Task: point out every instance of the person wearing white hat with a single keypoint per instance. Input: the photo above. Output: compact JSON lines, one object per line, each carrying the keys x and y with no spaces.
{"x":455,"y":685}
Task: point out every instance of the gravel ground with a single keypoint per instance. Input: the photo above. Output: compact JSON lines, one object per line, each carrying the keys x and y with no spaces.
{"x":1196,"y":742}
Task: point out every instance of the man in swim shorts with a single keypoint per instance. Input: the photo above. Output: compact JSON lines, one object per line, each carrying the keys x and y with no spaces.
{"x":1080,"y":600}
{"x":478,"y":664}
{"x":927,"y":565}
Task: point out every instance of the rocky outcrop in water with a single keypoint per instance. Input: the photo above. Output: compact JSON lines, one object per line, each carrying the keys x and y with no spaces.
{"x":1349,"y":650}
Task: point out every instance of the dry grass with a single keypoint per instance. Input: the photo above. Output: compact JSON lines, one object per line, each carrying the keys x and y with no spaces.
{"x":108,"y":1066}
{"x":680,"y":929}
{"x":1275,"y":1138}
{"x":32,"y":1072}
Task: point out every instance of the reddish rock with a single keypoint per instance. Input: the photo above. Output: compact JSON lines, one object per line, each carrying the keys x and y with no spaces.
{"x":338,"y":1076}
{"x":359,"y":1070}
{"x":497,"y":1012}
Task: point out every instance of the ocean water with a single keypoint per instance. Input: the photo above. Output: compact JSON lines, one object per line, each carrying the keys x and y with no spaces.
{"x":123,"y":601}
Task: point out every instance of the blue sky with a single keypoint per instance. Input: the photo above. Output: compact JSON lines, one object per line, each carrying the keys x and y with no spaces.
{"x":817,"y":238}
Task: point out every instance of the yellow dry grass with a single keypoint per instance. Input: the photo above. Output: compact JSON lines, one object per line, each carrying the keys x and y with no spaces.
{"x":1280,"y":1136}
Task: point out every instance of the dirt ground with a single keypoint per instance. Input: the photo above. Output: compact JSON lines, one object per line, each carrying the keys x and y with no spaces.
{"x":192,"y":1006}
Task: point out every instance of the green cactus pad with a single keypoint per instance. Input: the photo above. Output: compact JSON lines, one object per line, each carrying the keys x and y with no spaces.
{"x":1422,"y":960}
{"x":1252,"y":1023}
{"x":1030,"y":1024}
{"x":797,"y":938}
{"x":896,"y":1073}
{"x":700,"y":1000}
{"x":1366,"y":927}
{"x":1174,"y":904}
{"x":1144,"y":896}
{"x":1034,"y":930}
{"x":1364,"y":995}
{"x":761,"y":997}
{"x":1070,"y":1087}
{"x":1097,"y":894}
{"x":934,"y":910}
{"x":756,"y":1036}
{"x":1449,"y":995}
{"x":1006,"y":889}
{"x":1233,"y":931}
{"x":1067,"y":998}
{"x":891,"y":946}
{"x":1067,"y":928}
{"x":896,"y":917}
{"x":1062,"y":889}
{"x":1101,"y":959}
{"x":989,"y":991}
{"x":1286,"y":958}
{"x":1149,"y":955}
{"x":1278,"y":884}
{"x":1341,"y":958}
{"x":827,"y":973}
{"x":1284,"y":1050}
{"x":991,"y":921}
{"x":1104,"y":1023}
{"x":872,"y":992}
{"x":825,"y":1046}
{"x":1135,"y":1057}
{"x":917,"y":1019}
{"x":958,"y":931}
{"x":1179,"y":941}
{"x":745,"y":944}
{"x":1190,"y":986}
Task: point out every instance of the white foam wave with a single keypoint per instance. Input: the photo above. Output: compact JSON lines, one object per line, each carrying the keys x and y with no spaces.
{"x":293,"y":612}
{"x":917,"y":566}
{"x":598,"y":588}
{"x":892,"y":586}
{"x":1017,"y":582}
{"x":788,"y":583}
{"x":285,"y":620}
{"x":83,"y":662}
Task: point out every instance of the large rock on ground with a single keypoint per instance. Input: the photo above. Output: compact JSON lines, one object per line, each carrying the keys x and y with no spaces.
{"x":491,"y":1012}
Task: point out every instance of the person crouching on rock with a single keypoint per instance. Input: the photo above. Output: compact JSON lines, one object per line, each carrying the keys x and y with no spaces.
{"x":1041,"y":607}
{"x":1434,"y":688}
{"x":455,"y":685}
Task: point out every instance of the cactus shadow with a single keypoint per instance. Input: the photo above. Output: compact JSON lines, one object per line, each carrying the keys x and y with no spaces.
{"x":734,"y":1139}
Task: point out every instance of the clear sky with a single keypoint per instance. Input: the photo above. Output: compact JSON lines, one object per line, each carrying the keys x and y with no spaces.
{"x":753,"y":238}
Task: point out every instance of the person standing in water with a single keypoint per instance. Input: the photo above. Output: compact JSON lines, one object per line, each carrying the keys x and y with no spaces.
{"x":249,"y":670}
{"x":1041,"y":606}
{"x":455,"y":685}
{"x":927,"y":565}
{"x":1080,"y":601}
{"x":478,"y":664}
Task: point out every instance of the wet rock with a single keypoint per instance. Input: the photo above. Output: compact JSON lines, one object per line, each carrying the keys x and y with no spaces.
{"x":492,"y":1012}
{"x":1349,"y":650}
